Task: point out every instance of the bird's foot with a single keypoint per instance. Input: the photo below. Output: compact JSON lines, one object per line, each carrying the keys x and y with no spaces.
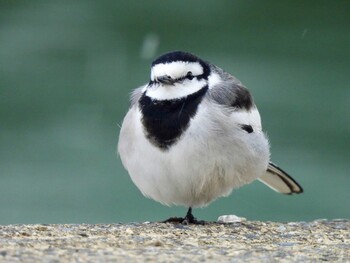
{"x":188,"y":219}
{"x":192,"y":220}
{"x":175,"y":220}
{"x":184,"y":221}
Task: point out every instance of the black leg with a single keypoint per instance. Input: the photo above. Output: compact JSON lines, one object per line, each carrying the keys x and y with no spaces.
{"x":188,"y":219}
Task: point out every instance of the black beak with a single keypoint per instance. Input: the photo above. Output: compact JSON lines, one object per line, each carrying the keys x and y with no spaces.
{"x":166,"y":80}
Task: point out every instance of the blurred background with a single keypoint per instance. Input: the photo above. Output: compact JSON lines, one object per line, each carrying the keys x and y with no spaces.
{"x":67,"y":68}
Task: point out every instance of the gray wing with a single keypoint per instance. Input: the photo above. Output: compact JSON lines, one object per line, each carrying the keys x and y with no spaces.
{"x":279,"y":181}
{"x":230,"y":92}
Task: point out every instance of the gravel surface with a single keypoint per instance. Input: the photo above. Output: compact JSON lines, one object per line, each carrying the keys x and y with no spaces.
{"x":245,"y":241}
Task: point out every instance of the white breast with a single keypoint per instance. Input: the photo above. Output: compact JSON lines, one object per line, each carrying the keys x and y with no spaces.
{"x":212,"y":157}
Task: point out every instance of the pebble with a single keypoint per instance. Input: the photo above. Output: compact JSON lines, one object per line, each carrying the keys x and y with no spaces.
{"x":230,"y":219}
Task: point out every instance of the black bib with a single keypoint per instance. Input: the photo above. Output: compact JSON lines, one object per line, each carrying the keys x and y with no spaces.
{"x":165,"y":120}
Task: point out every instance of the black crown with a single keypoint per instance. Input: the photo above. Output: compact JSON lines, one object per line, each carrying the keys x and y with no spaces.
{"x":176,"y":56}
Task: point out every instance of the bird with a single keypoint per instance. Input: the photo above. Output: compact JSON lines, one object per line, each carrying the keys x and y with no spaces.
{"x":193,"y":134}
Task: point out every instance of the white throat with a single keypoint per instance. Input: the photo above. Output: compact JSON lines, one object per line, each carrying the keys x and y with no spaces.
{"x":176,"y":91}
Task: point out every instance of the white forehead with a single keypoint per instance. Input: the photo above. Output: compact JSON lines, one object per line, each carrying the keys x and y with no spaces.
{"x":176,"y":69}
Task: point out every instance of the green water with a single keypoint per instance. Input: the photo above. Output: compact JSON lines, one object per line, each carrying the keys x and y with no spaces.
{"x":67,"y":67}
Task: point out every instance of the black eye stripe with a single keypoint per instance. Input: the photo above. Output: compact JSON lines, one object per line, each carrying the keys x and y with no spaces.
{"x":185,"y":77}
{"x":188,"y":76}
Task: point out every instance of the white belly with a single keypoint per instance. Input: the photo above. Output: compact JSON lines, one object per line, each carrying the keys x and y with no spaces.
{"x":213,"y":157}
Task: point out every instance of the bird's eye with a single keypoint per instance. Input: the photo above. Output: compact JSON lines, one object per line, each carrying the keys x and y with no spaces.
{"x":189,"y":75}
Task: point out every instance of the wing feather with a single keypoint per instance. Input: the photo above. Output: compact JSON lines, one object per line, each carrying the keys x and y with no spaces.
{"x":229,"y":92}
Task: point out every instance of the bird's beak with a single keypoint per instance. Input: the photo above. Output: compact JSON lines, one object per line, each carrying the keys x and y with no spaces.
{"x":166,"y":80}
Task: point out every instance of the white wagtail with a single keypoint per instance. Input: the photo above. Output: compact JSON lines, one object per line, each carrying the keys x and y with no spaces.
{"x":193,"y":134}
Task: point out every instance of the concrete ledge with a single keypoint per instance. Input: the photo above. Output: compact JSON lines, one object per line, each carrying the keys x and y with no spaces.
{"x":246,"y":241}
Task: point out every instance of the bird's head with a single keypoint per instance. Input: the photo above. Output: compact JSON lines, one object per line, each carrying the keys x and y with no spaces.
{"x":176,"y":75}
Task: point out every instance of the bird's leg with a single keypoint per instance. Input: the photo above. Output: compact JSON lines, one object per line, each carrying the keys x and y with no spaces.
{"x":188,"y":219}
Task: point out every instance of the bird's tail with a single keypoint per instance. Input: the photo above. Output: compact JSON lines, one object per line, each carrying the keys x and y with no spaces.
{"x":279,"y":181}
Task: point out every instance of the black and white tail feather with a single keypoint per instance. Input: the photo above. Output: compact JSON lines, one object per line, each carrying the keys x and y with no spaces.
{"x":279,"y":181}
